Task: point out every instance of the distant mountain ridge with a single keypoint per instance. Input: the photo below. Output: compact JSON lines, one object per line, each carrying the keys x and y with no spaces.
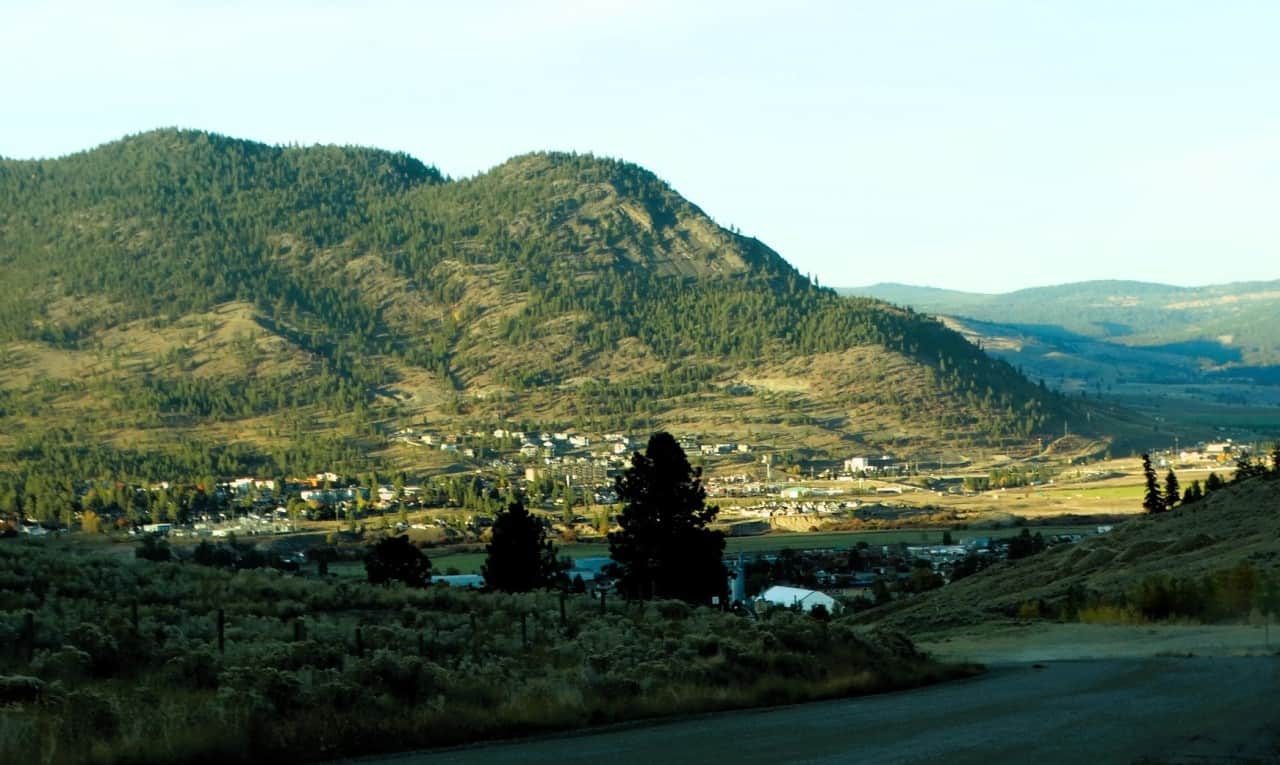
{"x":1238,"y":317}
{"x":182,"y":284}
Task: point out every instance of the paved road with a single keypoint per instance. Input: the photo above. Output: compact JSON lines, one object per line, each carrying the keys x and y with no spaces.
{"x":1173,"y":710}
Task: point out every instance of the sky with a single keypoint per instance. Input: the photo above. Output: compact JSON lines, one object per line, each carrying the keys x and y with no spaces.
{"x":982,"y":145}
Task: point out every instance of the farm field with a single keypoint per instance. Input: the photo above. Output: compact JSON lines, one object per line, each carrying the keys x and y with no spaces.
{"x":1113,"y":487}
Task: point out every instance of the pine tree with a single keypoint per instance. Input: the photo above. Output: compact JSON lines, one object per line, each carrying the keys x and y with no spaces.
{"x":1212,"y":483}
{"x":1172,"y":492}
{"x":519,"y":557}
{"x":664,"y":548}
{"x":395,"y":559}
{"x":1193,"y":493}
{"x":1153,"y":501}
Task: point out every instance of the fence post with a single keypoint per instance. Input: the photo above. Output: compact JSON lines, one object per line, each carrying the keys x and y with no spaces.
{"x":29,"y":634}
{"x":475,"y":639}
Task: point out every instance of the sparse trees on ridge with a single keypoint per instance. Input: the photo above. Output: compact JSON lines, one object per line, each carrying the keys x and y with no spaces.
{"x":1247,"y":467}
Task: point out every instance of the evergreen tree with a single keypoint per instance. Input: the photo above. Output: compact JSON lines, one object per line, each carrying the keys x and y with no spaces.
{"x":519,"y":557}
{"x":1193,"y":493}
{"x":664,"y":548}
{"x":395,"y":559}
{"x":1246,"y":467}
{"x":1153,"y":500}
{"x":1172,"y":491}
{"x":1212,"y":483}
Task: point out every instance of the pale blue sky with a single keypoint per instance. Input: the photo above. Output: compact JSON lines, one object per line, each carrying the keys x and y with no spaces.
{"x":982,"y":145}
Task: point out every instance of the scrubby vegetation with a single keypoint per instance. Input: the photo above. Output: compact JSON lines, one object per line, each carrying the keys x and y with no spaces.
{"x":1240,"y":592}
{"x":106,"y":660}
{"x":1213,"y":560}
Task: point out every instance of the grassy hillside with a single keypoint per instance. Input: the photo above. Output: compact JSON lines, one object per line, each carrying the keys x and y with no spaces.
{"x":1217,"y":558}
{"x":250,"y":306}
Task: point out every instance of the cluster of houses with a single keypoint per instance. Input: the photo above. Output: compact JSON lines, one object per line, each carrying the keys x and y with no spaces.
{"x":476,"y":444}
{"x":835,"y":578}
{"x":1208,"y":455}
{"x":829,"y":579}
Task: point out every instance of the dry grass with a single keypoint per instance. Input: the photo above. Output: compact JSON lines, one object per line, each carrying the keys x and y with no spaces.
{"x":1239,"y":524}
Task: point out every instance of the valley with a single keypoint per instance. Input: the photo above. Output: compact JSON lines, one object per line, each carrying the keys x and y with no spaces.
{"x":1199,"y":362}
{"x":267,"y":415}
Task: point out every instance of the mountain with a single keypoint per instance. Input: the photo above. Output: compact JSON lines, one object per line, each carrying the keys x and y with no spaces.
{"x":1203,"y":361}
{"x":1227,"y":326}
{"x":242,"y":306}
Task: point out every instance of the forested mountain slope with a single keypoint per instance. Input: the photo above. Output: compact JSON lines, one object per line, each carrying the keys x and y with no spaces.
{"x":247,"y":305}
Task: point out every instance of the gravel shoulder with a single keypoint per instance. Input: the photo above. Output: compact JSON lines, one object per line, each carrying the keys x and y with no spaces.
{"x":1015,"y":642}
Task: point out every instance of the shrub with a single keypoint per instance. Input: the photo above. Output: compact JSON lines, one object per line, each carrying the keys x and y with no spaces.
{"x":408,"y":678}
{"x":20,"y":689}
{"x":673,"y":609}
{"x":94,"y":715}
{"x":66,"y":664}
{"x":153,"y":549}
{"x":102,"y":649}
{"x":194,"y":668}
{"x":1110,"y":614}
{"x":278,"y":690}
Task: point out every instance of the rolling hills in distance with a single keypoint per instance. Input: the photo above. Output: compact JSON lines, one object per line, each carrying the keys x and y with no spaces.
{"x":240,"y":306}
{"x":1209,"y":353}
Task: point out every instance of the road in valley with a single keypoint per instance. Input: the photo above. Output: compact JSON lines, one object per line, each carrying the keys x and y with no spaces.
{"x":1153,"y":709}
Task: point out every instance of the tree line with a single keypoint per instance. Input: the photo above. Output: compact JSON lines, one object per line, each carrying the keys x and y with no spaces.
{"x":1159,"y":498}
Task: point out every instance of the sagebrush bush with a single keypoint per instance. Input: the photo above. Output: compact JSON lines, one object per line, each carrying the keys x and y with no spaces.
{"x":317,"y":669}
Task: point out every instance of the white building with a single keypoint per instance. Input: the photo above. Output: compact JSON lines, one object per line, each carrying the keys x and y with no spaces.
{"x":871,"y":464}
{"x":789,"y":597}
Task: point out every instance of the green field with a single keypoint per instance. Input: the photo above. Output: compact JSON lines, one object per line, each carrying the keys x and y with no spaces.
{"x":1134,"y":491}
